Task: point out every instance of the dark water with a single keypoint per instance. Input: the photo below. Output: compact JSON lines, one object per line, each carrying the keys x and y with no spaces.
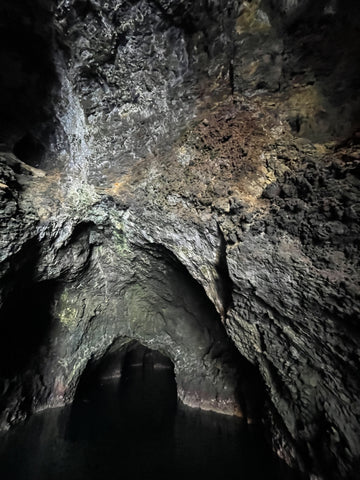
{"x":134,"y":430}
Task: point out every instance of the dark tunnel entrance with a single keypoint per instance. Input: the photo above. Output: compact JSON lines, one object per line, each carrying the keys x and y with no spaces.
{"x":125,"y":422}
{"x":137,"y":383}
{"x":126,"y":410}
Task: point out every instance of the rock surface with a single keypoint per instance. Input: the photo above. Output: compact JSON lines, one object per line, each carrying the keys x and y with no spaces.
{"x":194,"y":191}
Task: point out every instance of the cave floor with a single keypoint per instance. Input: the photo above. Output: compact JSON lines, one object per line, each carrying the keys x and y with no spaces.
{"x":134,"y":429}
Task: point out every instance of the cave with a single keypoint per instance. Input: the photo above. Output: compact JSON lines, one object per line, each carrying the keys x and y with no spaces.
{"x":143,"y":382}
{"x":179,"y":232}
{"x":125,"y":412}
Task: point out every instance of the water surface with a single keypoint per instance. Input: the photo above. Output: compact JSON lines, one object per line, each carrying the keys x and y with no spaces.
{"x":134,"y":429}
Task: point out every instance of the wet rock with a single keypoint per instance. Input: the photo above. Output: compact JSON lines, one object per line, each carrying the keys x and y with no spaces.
{"x":195,"y":190}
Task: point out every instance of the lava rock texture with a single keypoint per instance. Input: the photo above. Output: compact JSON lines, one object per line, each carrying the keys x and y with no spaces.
{"x":186,"y":175}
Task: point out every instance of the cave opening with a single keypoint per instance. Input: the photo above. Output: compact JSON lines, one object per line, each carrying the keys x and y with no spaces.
{"x":126,"y":418}
{"x":136,"y":384}
{"x":126,"y":410}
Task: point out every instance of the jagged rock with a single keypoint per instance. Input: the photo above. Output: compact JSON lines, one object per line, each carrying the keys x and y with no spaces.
{"x":183,"y":181}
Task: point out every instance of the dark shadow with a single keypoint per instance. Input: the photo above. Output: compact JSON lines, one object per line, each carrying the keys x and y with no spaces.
{"x":224,"y":282}
{"x":147,"y":390}
{"x":29,"y":150}
{"x":26,"y":313}
{"x":27,"y":78}
{"x":145,"y":379}
{"x":131,"y":417}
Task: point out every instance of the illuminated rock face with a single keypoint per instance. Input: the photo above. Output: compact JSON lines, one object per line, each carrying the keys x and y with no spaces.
{"x":188,"y":179}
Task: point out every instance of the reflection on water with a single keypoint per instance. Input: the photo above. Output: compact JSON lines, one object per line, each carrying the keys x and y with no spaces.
{"x":133,"y":430}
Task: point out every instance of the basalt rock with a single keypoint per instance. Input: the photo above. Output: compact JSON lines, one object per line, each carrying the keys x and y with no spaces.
{"x":189,"y":181}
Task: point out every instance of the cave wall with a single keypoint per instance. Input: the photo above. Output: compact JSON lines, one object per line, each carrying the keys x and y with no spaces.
{"x":189,"y":169}
{"x":154,"y":302}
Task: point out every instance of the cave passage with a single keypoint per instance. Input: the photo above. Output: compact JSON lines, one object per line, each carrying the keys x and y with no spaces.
{"x":132,"y":427}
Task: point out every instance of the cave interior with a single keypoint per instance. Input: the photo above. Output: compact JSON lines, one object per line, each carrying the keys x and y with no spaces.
{"x":179,"y":231}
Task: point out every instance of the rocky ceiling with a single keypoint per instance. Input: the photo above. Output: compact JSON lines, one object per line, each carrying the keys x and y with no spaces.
{"x":186,"y":175}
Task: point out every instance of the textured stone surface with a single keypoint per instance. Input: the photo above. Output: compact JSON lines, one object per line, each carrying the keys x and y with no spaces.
{"x":195,"y":181}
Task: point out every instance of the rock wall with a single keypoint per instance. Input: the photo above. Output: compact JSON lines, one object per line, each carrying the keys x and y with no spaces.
{"x":196,"y":189}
